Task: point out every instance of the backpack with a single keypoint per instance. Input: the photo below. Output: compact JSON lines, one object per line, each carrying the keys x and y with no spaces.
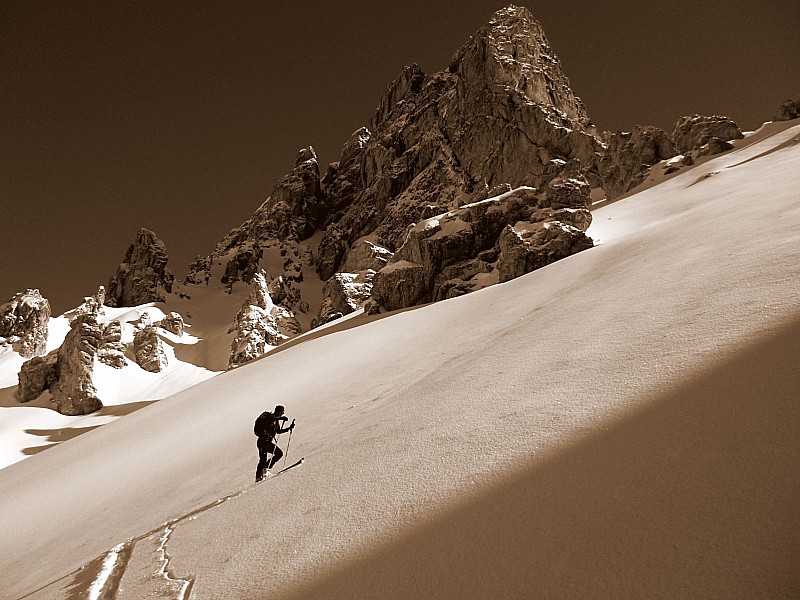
{"x":265,"y":424}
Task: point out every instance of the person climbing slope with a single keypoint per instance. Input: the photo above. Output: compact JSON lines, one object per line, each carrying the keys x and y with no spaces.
{"x":267,"y":426}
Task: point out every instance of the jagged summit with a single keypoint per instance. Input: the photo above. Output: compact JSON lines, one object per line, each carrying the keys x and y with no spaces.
{"x":501,"y":115}
{"x":512,"y":52}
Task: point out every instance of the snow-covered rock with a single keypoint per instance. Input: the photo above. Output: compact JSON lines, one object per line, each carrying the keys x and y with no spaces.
{"x":713,"y":146}
{"x":172,"y":322}
{"x":111,"y":351}
{"x":261,"y":324}
{"x":92,"y":305}
{"x":24,"y":321}
{"x":344,"y":293}
{"x":143,"y":275}
{"x":527,"y":247}
{"x":149,"y":349}
{"x":451,"y":254}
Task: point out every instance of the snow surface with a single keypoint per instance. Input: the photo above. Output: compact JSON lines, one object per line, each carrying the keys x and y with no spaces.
{"x":620,"y":424}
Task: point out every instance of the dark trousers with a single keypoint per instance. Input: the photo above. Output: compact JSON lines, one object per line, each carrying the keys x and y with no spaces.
{"x":265,"y":448}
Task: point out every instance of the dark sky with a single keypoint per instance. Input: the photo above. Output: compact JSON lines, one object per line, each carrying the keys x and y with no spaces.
{"x":181,"y":116}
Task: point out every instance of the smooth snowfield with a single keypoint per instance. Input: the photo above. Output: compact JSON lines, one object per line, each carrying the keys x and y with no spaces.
{"x":620,"y":424}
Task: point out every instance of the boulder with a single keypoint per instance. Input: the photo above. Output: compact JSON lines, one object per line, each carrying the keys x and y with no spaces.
{"x":24,"y":323}
{"x":788,"y":110}
{"x":149,"y":349}
{"x":36,"y":376}
{"x":143,"y":275}
{"x":713,"y":146}
{"x":694,"y":131}
{"x":629,"y":155}
{"x":73,"y":390}
{"x":400,"y":284}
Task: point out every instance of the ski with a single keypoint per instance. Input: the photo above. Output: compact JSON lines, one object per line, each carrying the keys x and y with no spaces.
{"x":269,"y":475}
{"x":292,"y":466}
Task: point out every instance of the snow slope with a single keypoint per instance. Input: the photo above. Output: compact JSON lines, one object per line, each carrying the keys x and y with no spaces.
{"x":620,"y":424}
{"x":31,"y":428}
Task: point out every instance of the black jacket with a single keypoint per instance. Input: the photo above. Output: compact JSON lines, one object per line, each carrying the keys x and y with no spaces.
{"x":267,"y":426}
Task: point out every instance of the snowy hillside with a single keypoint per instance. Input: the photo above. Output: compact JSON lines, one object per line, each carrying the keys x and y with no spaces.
{"x":622,"y":423}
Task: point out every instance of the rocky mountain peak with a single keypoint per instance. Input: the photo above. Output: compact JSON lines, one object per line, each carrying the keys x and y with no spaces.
{"x":501,"y":116}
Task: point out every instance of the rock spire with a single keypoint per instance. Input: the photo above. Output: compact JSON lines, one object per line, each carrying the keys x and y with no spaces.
{"x":143,"y":275}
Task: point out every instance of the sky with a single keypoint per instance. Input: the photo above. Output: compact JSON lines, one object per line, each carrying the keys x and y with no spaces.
{"x":588,"y":430}
{"x":181,"y":117}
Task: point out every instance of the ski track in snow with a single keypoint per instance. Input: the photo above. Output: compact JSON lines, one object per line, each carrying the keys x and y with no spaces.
{"x":110,"y":568}
{"x":106,"y":571}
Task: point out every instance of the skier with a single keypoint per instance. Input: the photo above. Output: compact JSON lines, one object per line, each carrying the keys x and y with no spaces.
{"x":267,"y":426}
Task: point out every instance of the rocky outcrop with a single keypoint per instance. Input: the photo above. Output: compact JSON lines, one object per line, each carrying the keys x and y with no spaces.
{"x":73,"y":390}
{"x":143,"y":275}
{"x":67,"y":372}
{"x":349,"y":289}
{"x":292,"y":211}
{"x":344,"y":293}
{"x":788,"y":110}
{"x":629,"y":155}
{"x":693,"y":131}
{"x":527,"y":247}
{"x":112,"y":349}
{"x":461,"y":250}
{"x":261,"y":324}
{"x":24,"y":323}
{"x":199,"y":271}
{"x":91,"y":305}
{"x":365,"y":255}
{"x":242,"y":265}
{"x":149,"y":349}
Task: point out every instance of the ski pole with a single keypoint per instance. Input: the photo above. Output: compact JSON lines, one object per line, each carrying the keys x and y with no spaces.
{"x":289,"y":441}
